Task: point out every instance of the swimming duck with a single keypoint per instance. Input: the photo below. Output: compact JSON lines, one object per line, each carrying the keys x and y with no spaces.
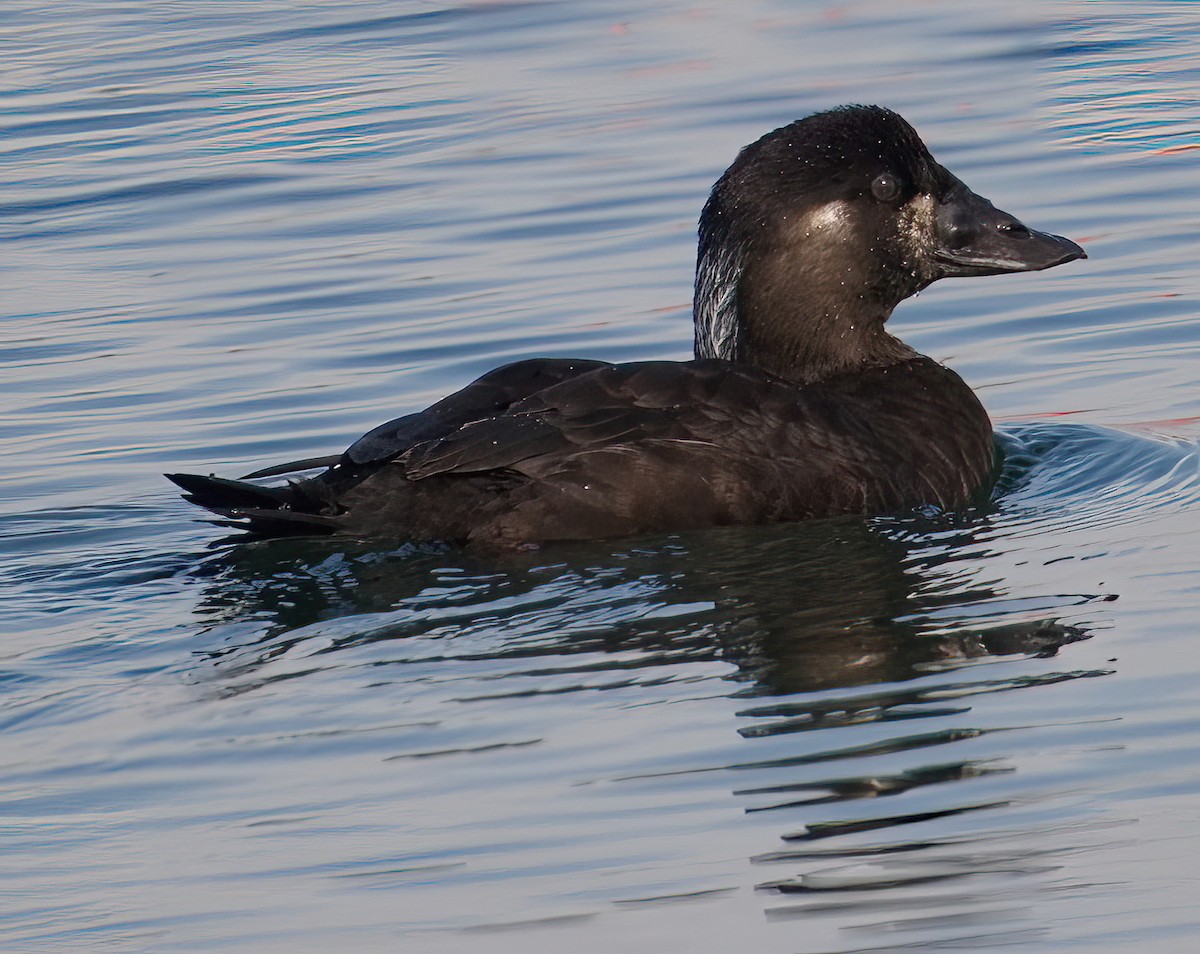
{"x":799,"y":403}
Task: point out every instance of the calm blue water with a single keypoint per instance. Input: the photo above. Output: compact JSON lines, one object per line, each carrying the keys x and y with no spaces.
{"x":242,"y":231}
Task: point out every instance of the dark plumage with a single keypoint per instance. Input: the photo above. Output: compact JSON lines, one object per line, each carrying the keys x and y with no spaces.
{"x":800,"y":404}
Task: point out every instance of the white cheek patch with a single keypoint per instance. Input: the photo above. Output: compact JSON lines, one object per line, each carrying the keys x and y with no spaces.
{"x":832,"y":216}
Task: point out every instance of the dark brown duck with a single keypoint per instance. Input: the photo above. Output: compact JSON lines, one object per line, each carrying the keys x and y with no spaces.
{"x":799,"y":403}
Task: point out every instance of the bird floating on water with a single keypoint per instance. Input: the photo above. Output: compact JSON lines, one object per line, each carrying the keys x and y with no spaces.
{"x":799,"y":403}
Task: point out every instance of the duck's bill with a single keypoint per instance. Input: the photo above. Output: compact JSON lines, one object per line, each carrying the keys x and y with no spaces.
{"x":976,"y":238}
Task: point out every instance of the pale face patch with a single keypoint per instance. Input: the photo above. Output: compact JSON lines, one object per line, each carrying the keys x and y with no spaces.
{"x":831,"y":217}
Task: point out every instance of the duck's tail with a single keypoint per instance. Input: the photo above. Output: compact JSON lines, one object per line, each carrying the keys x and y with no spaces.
{"x":263,"y":511}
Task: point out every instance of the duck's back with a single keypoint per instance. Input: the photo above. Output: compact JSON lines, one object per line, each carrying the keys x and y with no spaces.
{"x":624,"y":449}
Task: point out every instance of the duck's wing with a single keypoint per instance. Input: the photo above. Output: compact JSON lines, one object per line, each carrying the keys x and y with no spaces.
{"x":622,"y":450}
{"x":608,"y":406}
{"x":485,"y":397}
{"x":587,"y":458}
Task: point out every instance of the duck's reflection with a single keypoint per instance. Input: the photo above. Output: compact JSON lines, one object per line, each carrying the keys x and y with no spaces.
{"x":798,"y":609}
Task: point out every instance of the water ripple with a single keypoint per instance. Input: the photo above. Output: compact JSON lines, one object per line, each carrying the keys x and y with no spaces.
{"x":244,"y":231}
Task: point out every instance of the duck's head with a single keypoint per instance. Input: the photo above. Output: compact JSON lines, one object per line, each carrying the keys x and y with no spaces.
{"x":818,"y":230}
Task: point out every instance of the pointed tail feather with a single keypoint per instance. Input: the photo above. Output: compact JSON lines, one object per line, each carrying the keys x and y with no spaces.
{"x":218,"y":493}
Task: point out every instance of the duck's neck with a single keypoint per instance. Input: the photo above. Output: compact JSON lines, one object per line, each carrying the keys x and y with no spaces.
{"x":802,"y":321}
{"x":810,"y":338}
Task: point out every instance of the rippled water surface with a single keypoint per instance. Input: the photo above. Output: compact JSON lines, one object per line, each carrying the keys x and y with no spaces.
{"x":243,"y":231}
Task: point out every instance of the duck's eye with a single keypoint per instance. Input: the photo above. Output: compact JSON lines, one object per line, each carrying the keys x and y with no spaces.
{"x":886,"y":187}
